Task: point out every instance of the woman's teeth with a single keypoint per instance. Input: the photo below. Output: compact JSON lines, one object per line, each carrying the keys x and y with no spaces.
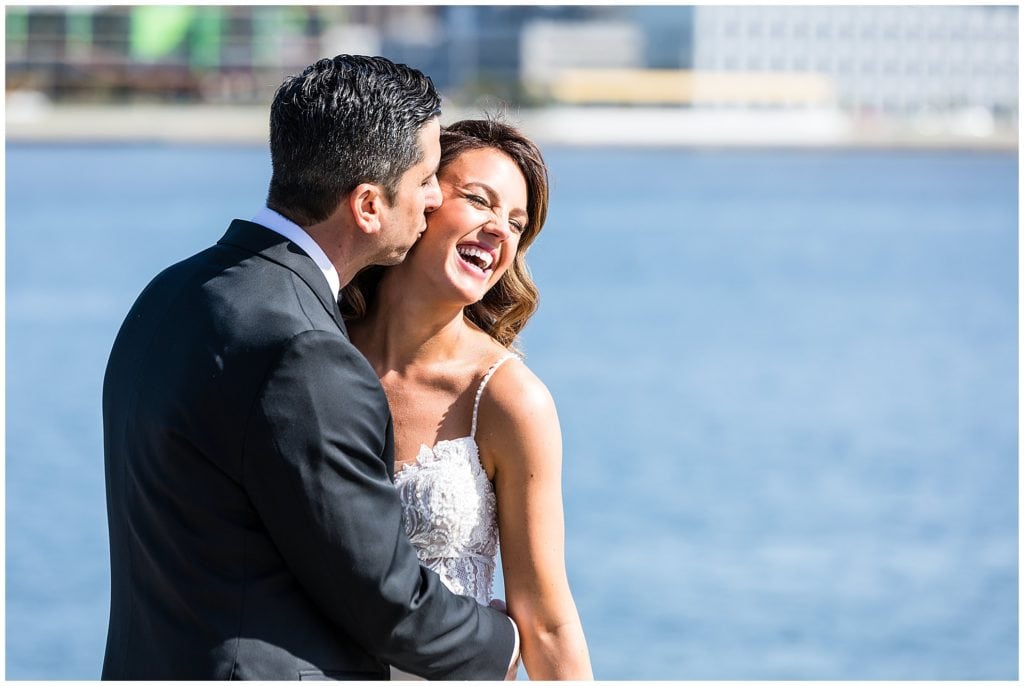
{"x":480,"y":259}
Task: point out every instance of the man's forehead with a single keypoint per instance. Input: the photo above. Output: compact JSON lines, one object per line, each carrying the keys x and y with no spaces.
{"x":430,"y":142}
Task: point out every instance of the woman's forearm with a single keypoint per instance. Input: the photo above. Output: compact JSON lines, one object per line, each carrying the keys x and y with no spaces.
{"x":555,"y":651}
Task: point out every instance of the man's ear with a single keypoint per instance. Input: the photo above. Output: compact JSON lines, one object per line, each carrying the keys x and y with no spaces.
{"x":366,"y":201}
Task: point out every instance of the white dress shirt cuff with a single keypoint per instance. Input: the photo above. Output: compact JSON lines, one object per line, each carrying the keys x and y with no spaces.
{"x":515,"y":648}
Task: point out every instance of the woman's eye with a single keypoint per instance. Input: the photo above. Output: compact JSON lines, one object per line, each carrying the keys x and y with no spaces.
{"x":516,"y":226}
{"x":477,"y":200}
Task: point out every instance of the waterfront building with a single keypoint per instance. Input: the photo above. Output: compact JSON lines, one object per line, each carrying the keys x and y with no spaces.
{"x":889,"y":60}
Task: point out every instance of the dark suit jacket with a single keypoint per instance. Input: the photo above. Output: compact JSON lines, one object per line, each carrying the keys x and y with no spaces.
{"x":254,"y":528}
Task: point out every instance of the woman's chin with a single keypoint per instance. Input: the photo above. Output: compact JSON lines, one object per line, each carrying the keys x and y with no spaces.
{"x":467,"y":291}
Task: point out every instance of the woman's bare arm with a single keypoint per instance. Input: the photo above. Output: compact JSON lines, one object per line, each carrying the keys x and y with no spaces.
{"x":519,"y":435}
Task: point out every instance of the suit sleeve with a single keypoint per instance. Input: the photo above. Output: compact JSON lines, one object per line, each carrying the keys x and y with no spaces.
{"x":314,"y":471}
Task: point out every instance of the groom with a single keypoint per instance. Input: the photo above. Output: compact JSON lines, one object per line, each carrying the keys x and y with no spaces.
{"x":254,"y":529}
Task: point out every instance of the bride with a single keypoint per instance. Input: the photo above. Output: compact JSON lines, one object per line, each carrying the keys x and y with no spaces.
{"x":477,"y":441}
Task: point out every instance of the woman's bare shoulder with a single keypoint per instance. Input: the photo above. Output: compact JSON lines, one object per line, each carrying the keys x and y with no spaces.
{"x":517,"y":399}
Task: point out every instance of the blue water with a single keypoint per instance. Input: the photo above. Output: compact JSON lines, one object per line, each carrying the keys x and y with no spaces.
{"x":787,"y":383}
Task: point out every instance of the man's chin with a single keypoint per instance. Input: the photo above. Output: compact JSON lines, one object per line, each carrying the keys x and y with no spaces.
{"x":394,"y":257}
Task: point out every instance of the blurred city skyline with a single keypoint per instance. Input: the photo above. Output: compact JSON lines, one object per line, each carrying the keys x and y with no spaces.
{"x":827,"y":69}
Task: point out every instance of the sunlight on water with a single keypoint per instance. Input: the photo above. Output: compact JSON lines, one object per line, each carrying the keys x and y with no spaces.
{"x":787,"y":383}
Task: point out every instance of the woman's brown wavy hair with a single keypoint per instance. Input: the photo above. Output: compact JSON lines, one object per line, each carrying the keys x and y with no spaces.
{"x":509,"y":304}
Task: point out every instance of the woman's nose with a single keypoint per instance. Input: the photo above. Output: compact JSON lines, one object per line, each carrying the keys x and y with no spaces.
{"x":498,"y":226}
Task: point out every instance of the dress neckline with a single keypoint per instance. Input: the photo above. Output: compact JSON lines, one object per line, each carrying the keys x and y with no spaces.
{"x":472,"y":431}
{"x":417,"y":462}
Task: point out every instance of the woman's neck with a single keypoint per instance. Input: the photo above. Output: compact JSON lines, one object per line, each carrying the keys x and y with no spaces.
{"x":406,"y":326}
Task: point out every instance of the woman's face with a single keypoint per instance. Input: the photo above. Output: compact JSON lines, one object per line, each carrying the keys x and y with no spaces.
{"x":475,"y":233}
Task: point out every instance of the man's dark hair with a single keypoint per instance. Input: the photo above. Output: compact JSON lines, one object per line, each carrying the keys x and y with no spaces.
{"x":340,"y":123}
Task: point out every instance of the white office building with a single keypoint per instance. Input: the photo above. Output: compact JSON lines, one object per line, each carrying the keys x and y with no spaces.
{"x":894,"y":60}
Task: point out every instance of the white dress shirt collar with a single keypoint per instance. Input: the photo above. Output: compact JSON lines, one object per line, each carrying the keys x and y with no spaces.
{"x":293,"y":232}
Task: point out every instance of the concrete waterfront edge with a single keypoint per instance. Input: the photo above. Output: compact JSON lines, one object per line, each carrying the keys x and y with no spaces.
{"x":40,"y":121}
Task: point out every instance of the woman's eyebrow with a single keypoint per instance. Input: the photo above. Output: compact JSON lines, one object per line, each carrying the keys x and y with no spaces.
{"x":493,"y":196}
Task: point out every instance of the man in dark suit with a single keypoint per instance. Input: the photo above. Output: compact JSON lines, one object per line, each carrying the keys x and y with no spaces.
{"x":254,"y":528}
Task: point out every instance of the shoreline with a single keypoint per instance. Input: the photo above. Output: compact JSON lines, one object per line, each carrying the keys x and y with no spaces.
{"x":30,"y":120}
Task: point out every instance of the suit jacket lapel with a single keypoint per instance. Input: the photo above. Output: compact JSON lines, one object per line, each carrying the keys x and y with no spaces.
{"x":272,"y":246}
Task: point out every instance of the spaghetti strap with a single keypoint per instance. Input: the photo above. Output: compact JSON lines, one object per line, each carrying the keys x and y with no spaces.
{"x":483,"y":384}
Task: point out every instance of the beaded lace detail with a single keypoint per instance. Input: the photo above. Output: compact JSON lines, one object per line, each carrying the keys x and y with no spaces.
{"x":449,"y":510}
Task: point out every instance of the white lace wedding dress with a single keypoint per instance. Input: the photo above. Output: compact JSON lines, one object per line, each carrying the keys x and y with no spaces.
{"x":449,"y":512}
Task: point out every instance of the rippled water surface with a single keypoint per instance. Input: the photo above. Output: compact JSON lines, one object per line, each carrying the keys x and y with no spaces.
{"x":787,"y":383}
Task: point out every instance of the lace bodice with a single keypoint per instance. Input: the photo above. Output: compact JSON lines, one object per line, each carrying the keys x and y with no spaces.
{"x":449,"y":510}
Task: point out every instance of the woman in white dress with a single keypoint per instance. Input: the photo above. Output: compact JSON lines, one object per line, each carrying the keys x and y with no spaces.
{"x":477,"y":441}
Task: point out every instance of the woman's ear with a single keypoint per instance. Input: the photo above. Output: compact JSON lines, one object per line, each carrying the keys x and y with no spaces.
{"x":366,"y":201}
